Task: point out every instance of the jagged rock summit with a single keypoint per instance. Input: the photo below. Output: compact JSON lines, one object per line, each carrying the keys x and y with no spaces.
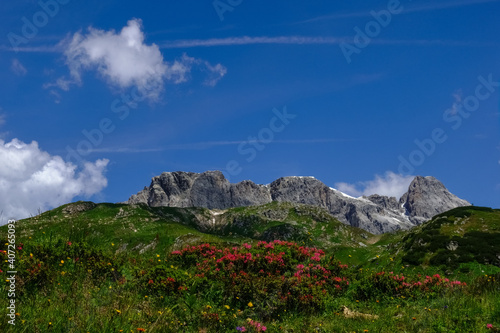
{"x":427,"y":197}
{"x":377,"y":214}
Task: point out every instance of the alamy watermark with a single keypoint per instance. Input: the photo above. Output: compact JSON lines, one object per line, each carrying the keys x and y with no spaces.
{"x":455,"y":117}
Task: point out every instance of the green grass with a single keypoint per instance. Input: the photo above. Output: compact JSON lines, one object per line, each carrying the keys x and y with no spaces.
{"x":461,"y":235}
{"x":308,"y":225}
{"x":120,"y":248}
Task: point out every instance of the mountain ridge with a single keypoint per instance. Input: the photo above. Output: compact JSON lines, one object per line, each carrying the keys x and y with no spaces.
{"x":426,"y":197}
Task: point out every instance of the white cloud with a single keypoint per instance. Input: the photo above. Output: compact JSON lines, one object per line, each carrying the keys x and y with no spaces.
{"x":185,"y":64}
{"x":32,"y":49}
{"x":18,"y":68}
{"x":122,"y":58}
{"x":215,"y":73}
{"x":391,"y":184}
{"x":125,"y":60}
{"x":205,"y":145}
{"x":31,"y":179}
{"x":422,"y":8}
{"x":61,"y":83}
{"x":247,"y":40}
{"x":56,"y":95}
{"x":457,"y":101}
{"x":310,"y":40}
{"x":349,"y":189}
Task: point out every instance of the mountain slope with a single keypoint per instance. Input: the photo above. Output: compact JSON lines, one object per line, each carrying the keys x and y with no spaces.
{"x":115,"y":267}
{"x":461,"y":235}
{"x":377,"y":214}
{"x":138,"y":227}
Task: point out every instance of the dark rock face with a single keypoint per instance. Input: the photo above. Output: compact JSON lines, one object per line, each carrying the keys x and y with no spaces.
{"x":209,"y":190}
{"x":377,"y":214}
{"x":247,"y":193}
{"x":304,"y":190}
{"x":385,"y":202}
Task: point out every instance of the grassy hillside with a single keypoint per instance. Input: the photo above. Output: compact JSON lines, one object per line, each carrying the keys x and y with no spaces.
{"x":137,"y":226}
{"x":302,"y":223}
{"x":88,"y":267}
{"x":461,"y":235}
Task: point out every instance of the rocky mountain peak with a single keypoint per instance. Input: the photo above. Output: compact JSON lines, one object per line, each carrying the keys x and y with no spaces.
{"x":425,"y":198}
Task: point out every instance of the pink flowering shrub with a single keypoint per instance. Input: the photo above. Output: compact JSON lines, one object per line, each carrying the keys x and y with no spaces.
{"x":163,"y":280}
{"x":274,"y":275}
{"x":382,"y":284}
{"x":257,"y":327}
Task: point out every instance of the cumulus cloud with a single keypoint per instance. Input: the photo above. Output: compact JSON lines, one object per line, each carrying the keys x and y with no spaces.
{"x":31,"y":179}
{"x":122,"y":58}
{"x":391,"y":184}
{"x":125,"y":60}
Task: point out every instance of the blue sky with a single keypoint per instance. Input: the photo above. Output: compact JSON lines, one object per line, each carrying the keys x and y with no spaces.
{"x":361,"y":96}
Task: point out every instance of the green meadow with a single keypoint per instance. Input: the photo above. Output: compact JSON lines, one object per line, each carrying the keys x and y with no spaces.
{"x":117,"y":268}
